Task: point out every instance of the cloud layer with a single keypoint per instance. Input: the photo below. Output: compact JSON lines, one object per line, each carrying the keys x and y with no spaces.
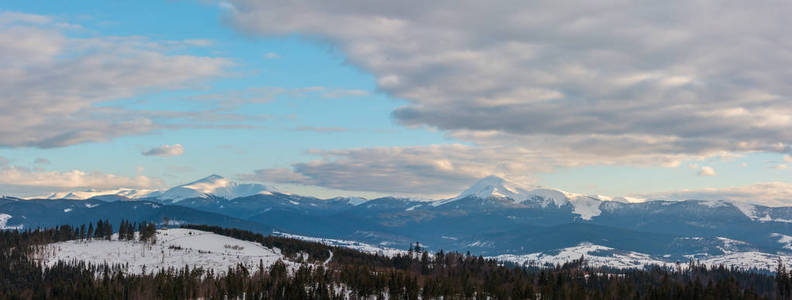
{"x":767,"y":193}
{"x":605,"y":82}
{"x":52,"y":82}
{"x":419,"y":170}
{"x":19,"y":176}
{"x":691,"y":78}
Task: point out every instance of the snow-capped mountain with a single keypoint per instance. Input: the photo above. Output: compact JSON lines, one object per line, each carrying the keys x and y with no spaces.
{"x":87,"y":194}
{"x":210,"y":186}
{"x":492,"y":217}
{"x":499,"y":188}
{"x":213,"y":185}
{"x":493,"y":186}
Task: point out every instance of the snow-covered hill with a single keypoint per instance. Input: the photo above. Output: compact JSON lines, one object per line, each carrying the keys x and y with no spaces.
{"x":175,"y":248}
{"x":602,"y":256}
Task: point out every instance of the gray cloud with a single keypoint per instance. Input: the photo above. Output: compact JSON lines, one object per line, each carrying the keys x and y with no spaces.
{"x":669,"y":78}
{"x":165,"y":150}
{"x":52,"y":82}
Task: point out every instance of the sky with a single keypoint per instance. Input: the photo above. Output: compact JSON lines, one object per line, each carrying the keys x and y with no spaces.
{"x":671,"y":100}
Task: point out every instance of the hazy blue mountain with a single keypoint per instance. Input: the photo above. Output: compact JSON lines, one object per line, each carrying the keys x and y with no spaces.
{"x":47,"y":213}
{"x":491,"y":217}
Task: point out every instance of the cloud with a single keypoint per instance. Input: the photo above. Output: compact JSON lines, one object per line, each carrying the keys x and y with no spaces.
{"x":780,"y":166}
{"x":669,"y":84}
{"x":768,"y":193}
{"x":41,"y":161}
{"x":3,"y":161}
{"x":22,"y":177}
{"x":271,"y":55}
{"x":420,"y":170}
{"x":53,"y":83}
{"x":707,"y":171}
{"x":165,"y":150}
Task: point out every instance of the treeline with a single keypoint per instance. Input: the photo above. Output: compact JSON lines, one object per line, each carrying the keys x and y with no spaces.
{"x":355,"y":275}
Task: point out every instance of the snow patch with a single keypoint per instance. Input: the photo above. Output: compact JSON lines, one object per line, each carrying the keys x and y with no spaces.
{"x":749,"y":210}
{"x":783,"y":239}
{"x":586,"y":207}
{"x":4,"y":223}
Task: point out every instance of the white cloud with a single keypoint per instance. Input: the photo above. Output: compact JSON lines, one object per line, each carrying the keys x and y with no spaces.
{"x":22,"y":177}
{"x":165,"y":150}
{"x":52,"y":82}
{"x":768,"y":193}
{"x":418,"y":170}
{"x":707,"y":171}
{"x":271,"y":55}
{"x":539,"y":74}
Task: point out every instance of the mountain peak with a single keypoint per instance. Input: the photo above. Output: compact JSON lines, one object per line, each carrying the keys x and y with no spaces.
{"x":494,"y":186}
{"x":213,"y":185}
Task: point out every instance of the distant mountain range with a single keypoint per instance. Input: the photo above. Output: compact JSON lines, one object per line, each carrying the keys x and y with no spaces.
{"x":493,"y":217}
{"x":213,"y":186}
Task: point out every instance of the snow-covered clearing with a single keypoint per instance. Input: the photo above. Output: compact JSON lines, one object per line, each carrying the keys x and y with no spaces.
{"x":354,"y":245}
{"x":175,"y":248}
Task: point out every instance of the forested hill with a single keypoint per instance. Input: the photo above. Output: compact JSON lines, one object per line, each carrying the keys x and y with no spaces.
{"x":326,"y":272}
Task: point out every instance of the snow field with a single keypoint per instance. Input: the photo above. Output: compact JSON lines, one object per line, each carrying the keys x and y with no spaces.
{"x":175,"y":248}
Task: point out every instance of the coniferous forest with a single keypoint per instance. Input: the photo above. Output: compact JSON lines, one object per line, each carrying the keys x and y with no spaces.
{"x":355,"y":275}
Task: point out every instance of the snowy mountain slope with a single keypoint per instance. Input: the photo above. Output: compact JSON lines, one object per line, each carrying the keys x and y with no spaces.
{"x":81,"y":195}
{"x":175,"y":248}
{"x":493,"y":186}
{"x":4,"y":223}
{"x":214,"y":185}
{"x":595,"y":255}
{"x":496,"y":187}
{"x":602,"y":256}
